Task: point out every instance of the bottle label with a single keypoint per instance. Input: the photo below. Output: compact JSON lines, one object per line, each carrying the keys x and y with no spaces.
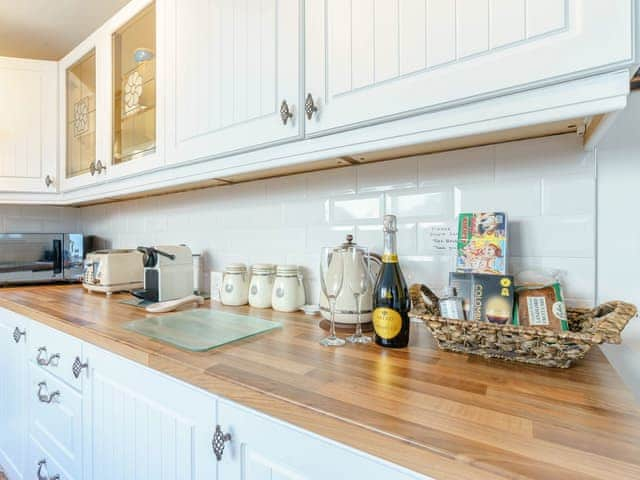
{"x":387,"y":322}
{"x":390,"y":258}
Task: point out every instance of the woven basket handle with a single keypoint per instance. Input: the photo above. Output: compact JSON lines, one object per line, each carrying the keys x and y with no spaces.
{"x":419,"y":295}
{"x":610,"y":319}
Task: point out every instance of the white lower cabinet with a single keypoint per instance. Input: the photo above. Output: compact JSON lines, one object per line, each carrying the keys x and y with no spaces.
{"x":14,"y":411}
{"x":145,"y":425}
{"x":263,"y":448}
{"x":121,"y":420}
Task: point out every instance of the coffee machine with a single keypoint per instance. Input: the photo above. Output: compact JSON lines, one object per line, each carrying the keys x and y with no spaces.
{"x":168,"y":273}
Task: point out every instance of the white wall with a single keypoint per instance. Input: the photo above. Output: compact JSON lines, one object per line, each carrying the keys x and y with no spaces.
{"x":546,"y":186}
{"x":618,"y":250}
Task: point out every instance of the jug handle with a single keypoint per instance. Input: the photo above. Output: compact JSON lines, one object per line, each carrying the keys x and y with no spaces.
{"x":375,"y":258}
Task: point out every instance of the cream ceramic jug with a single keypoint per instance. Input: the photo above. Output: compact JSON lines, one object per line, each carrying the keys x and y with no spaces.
{"x":346,"y":305}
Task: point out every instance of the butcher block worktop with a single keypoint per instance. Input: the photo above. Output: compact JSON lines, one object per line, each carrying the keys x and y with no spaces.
{"x":446,"y":415}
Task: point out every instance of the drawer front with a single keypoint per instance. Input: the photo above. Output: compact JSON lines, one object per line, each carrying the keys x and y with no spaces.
{"x":42,"y":465}
{"x":56,"y":418}
{"x":56,"y":353}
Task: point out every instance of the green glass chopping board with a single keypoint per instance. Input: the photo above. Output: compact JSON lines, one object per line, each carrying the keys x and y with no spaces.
{"x":200,"y":330}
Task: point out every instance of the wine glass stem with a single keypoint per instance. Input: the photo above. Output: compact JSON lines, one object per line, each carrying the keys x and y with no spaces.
{"x":332,"y":332}
{"x":359,"y":316}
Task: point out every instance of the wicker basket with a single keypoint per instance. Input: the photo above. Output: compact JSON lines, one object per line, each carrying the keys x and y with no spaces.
{"x":539,"y":346}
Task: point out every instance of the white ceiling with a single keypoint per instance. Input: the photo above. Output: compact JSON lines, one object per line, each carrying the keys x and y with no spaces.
{"x":49,"y":29}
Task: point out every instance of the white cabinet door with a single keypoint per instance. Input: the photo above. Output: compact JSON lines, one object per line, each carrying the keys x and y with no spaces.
{"x":13,"y":388}
{"x":232,"y":64}
{"x":367,"y":60}
{"x":145,"y":425}
{"x":262,"y":448}
{"x":28,"y":125}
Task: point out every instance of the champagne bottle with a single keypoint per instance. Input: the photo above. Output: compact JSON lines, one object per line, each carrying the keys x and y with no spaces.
{"x":391,"y":302}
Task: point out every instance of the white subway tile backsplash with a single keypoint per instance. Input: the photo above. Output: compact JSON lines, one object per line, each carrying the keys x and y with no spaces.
{"x":363,"y":208}
{"x":331,"y":183}
{"x":433,"y":204}
{"x":568,"y":195}
{"x":521,"y":198}
{"x":371,"y":236}
{"x":469,"y":165}
{"x":319,"y":236}
{"x":557,"y":155}
{"x":305,"y":212}
{"x":546,"y":186}
{"x":389,"y":175}
{"x":572,"y":237}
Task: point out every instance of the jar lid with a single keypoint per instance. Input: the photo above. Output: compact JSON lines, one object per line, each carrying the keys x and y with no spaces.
{"x":235,"y":268}
{"x":287,"y":270}
{"x":263,"y":268}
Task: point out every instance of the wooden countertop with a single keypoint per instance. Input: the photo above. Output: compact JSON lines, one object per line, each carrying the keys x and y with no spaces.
{"x":446,"y":415}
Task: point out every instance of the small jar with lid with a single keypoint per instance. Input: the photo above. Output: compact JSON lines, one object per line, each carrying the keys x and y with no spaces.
{"x":261,"y":285}
{"x":235,"y":285}
{"x":287,"y":289}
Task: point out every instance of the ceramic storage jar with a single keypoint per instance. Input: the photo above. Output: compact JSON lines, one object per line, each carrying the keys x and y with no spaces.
{"x":261,"y":285}
{"x":286,"y":295}
{"x":235,"y":285}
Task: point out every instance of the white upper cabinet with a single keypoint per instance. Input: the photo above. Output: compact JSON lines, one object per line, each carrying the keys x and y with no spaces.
{"x":367,"y":60}
{"x":234,"y":72}
{"x":28,"y":126}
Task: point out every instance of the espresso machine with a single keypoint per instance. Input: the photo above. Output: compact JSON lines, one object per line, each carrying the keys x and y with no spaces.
{"x":168,"y":273}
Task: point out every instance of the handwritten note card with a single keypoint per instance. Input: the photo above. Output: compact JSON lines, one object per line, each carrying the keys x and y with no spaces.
{"x":442,"y":238}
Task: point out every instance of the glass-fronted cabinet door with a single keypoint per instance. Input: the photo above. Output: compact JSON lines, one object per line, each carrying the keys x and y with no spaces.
{"x":81,"y":116}
{"x":80,"y":122}
{"x":134,"y":94}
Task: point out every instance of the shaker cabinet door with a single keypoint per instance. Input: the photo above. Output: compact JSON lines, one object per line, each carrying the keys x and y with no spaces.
{"x":145,"y":425}
{"x":368,"y":60}
{"x":13,"y":388}
{"x":233,"y":75}
{"x":28,"y":133}
{"x":263,"y":448}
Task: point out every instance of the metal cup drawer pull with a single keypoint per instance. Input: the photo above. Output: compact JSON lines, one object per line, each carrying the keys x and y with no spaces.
{"x":17,"y":334}
{"x":78,"y":366}
{"x":42,"y":359}
{"x":42,"y":465}
{"x":218,"y":441}
{"x":45,"y":397}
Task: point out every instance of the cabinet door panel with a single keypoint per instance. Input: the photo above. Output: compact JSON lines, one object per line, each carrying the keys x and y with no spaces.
{"x":368,"y":60}
{"x":262,"y":448}
{"x":231,"y":64}
{"x":28,"y":97}
{"x":145,"y":425}
{"x":13,"y":385}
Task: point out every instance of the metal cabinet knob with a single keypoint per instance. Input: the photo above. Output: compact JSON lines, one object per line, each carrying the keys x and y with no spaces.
{"x":309,"y":106}
{"x":17,"y":334}
{"x":92,"y":168}
{"x":218,"y":441}
{"x":100,"y":167}
{"x":285,"y":113}
{"x":78,"y":366}
{"x":48,"y":180}
{"x":42,"y":465}
{"x":43,"y":394}
{"x":42,"y":359}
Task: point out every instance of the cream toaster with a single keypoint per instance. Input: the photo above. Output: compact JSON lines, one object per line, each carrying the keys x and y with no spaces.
{"x":110,"y":271}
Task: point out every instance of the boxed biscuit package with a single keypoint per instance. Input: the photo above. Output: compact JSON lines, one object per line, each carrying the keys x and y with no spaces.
{"x":541,"y":306}
{"x":491,"y":298}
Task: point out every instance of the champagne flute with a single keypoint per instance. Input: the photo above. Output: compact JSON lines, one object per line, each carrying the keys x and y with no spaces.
{"x":360,"y":283}
{"x":331,"y":280}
